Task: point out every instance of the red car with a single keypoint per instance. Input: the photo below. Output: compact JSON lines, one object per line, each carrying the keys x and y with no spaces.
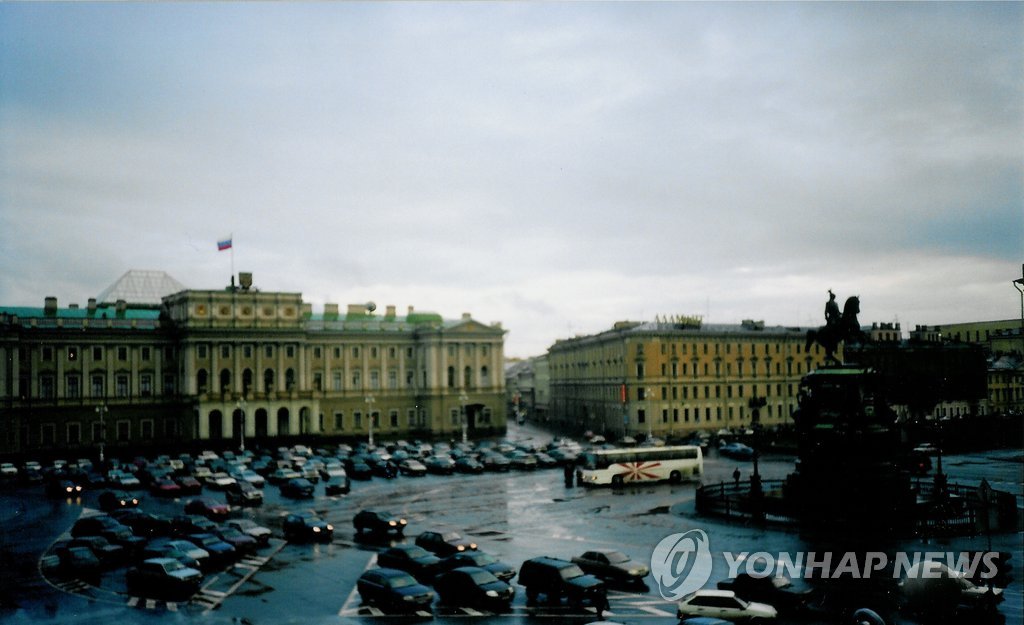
{"x":165,"y":487}
{"x":209,"y":508}
{"x":189,"y":485}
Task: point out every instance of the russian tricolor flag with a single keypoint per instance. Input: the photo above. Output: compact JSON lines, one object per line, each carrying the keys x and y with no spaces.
{"x":224,"y":244}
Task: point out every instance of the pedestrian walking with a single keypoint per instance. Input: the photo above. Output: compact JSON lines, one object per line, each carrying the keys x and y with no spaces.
{"x":736,"y":476}
{"x":569,"y":475}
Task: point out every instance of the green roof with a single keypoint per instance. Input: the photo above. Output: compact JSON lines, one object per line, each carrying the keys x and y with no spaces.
{"x":102,"y":312}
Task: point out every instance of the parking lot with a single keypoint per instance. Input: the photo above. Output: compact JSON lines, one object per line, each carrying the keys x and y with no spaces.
{"x":511,"y":515}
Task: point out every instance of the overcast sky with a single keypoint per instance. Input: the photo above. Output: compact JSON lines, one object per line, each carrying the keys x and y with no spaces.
{"x":556,"y":167}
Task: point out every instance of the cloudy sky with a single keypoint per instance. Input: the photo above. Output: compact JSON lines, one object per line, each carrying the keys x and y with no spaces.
{"x":553,"y":166}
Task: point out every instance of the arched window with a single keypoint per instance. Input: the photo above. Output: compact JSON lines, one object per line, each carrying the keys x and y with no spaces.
{"x":246,"y":381}
{"x":268,"y":380}
{"x":202,"y":380}
{"x":451,"y":377}
{"x":484,"y":376}
{"x":225,"y":380}
{"x":289,"y":379}
{"x":467,"y":377}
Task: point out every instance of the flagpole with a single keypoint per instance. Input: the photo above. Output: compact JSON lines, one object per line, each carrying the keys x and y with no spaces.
{"x":232,"y":239}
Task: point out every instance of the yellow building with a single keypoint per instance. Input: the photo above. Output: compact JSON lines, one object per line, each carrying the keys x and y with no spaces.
{"x":222,"y":367}
{"x":673,"y":377}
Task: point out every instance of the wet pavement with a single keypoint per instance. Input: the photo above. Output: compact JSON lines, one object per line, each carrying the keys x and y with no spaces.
{"x":514,"y":516}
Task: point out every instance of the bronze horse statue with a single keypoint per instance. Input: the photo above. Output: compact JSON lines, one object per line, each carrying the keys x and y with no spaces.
{"x":845,"y":329}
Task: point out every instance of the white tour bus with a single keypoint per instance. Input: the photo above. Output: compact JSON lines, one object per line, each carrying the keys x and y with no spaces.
{"x":642,"y":464}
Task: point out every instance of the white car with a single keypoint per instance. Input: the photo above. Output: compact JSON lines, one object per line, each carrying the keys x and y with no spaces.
{"x":8,"y":470}
{"x":251,"y":528}
{"x":723,"y":604}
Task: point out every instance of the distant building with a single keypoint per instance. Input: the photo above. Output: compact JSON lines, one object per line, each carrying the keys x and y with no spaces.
{"x":200,"y":367}
{"x":528,"y":385}
{"x":675,"y":376}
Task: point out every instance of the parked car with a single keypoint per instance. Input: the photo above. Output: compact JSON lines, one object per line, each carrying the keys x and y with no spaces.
{"x":243,"y":543}
{"x":360,"y":471}
{"x":163,"y":577}
{"x":775,"y":590}
{"x":113,"y":499}
{"x":412,"y":559}
{"x":467,"y":464}
{"x":412,"y":468}
{"x":501,"y":570}
{"x":473,"y":586}
{"x":208,"y":507}
{"x":394,"y":589}
{"x":612,"y":566}
{"x":221,"y":553}
{"x":243,"y":493}
{"x":723,"y":604}
{"x":440,"y":464}
{"x":298,"y":488}
{"x":105,"y":526}
{"x":444,"y":543}
{"x":495,"y":462}
{"x":142,"y":523}
{"x":522,"y":461}
{"x":188,"y":524}
{"x":160,"y":548}
{"x":282,"y":475}
{"x":197,"y":554}
{"x":165,"y":487}
{"x":251,"y":528}
{"x":189,"y":485}
{"x":306,"y":526}
{"x":107,"y":552}
{"x":378,"y":522}
{"x":556,"y":578}
{"x":337,"y":485}
{"x":79,"y":562}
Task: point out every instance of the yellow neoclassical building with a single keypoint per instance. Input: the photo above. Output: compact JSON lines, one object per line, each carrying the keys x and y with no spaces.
{"x":222,"y":367}
{"x":674,"y":376}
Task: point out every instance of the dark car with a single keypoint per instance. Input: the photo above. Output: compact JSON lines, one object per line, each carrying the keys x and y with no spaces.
{"x":79,"y":562}
{"x":243,"y":493}
{"x":522,"y":461}
{"x":412,"y":559}
{"x":306,"y":526}
{"x":503,"y":571}
{"x":250,"y":528}
{"x":495,"y":462}
{"x":774,"y":590}
{"x":378,"y":522}
{"x":737,"y":451}
{"x":444,"y":543}
{"x":394,"y":589}
{"x":189,"y":485}
{"x":473,"y":586}
{"x":108,"y":553}
{"x":221,"y":553}
{"x":440,"y":464}
{"x":114,"y":499}
{"x":359,"y":471}
{"x":107,"y":527}
{"x":466,"y":464}
{"x":62,"y":487}
{"x":412,"y":468}
{"x":556,"y":578}
{"x":143,"y":523}
{"x":243,"y":543}
{"x":337,"y":485}
{"x":188,"y":524}
{"x":298,"y":488}
{"x":612,"y":566}
{"x":208,"y":507}
{"x":164,"y":578}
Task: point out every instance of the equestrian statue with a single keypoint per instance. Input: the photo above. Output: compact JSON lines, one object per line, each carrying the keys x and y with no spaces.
{"x":839,"y":327}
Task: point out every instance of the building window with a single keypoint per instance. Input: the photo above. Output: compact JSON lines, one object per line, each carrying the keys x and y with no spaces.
{"x":225,"y":351}
{"x":122,"y":354}
{"x":47,"y":354}
{"x":411,"y":416}
{"x":357,"y":379}
{"x":47,"y":434}
{"x":123,"y":431}
{"x":339,"y":421}
{"x":147,"y":429}
{"x":640,"y":370}
{"x":73,"y":387}
{"x":202,"y":380}
{"x":247,"y":351}
{"x":268,"y":381}
{"x":337,"y":352}
{"x":409,"y":379}
{"x":392,"y":352}
{"x":485,"y":376}
{"x":46,"y":386}
{"x":355,"y":352}
{"x":289,"y":351}
{"x":169,"y":384}
{"x":357,"y":420}
{"x":318,"y":381}
{"x":393,"y":416}
{"x":289,"y":379}
{"x":97,"y":353}
{"x":467,"y":378}
{"x":122,"y":385}
{"x":145,"y":385}
{"x":146,"y":354}
{"x":451,"y":377}
{"x":373,"y":352}
{"x":336,"y":380}
{"x":641,"y":416}
{"x":455,"y":416}
{"x":170,"y":428}
{"x":200,"y":351}
{"x":392,"y":378}
{"x":268,"y":351}
{"x":317,"y":353}
{"x":74,"y":433}
{"x":374,"y":379}
{"x":72,"y":354}
{"x":97,"y":386}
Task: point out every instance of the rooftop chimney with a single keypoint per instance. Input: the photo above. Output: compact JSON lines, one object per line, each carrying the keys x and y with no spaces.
{"x":50,"y":306}
{"x":91,"y":306}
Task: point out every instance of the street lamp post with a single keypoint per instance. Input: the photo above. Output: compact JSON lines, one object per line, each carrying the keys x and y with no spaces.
{"x":650,"y":417}
{"x":241,"y":405}
{"x":1019,"y":285}
{"x":369,"y":413}
{"x":463,"y":400}
{"x":102,"y":410}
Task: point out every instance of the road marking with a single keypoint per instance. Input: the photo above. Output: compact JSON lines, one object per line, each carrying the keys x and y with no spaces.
{"x":172,"y":606}
{"x":346,"y":608}
{"x":652,"y":610}
{"x":133,"y":601}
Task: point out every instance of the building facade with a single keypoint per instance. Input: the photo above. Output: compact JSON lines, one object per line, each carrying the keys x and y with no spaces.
{"x":223,"y":367}
{"x":673,"y":377}
{"x":528,"y":387}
